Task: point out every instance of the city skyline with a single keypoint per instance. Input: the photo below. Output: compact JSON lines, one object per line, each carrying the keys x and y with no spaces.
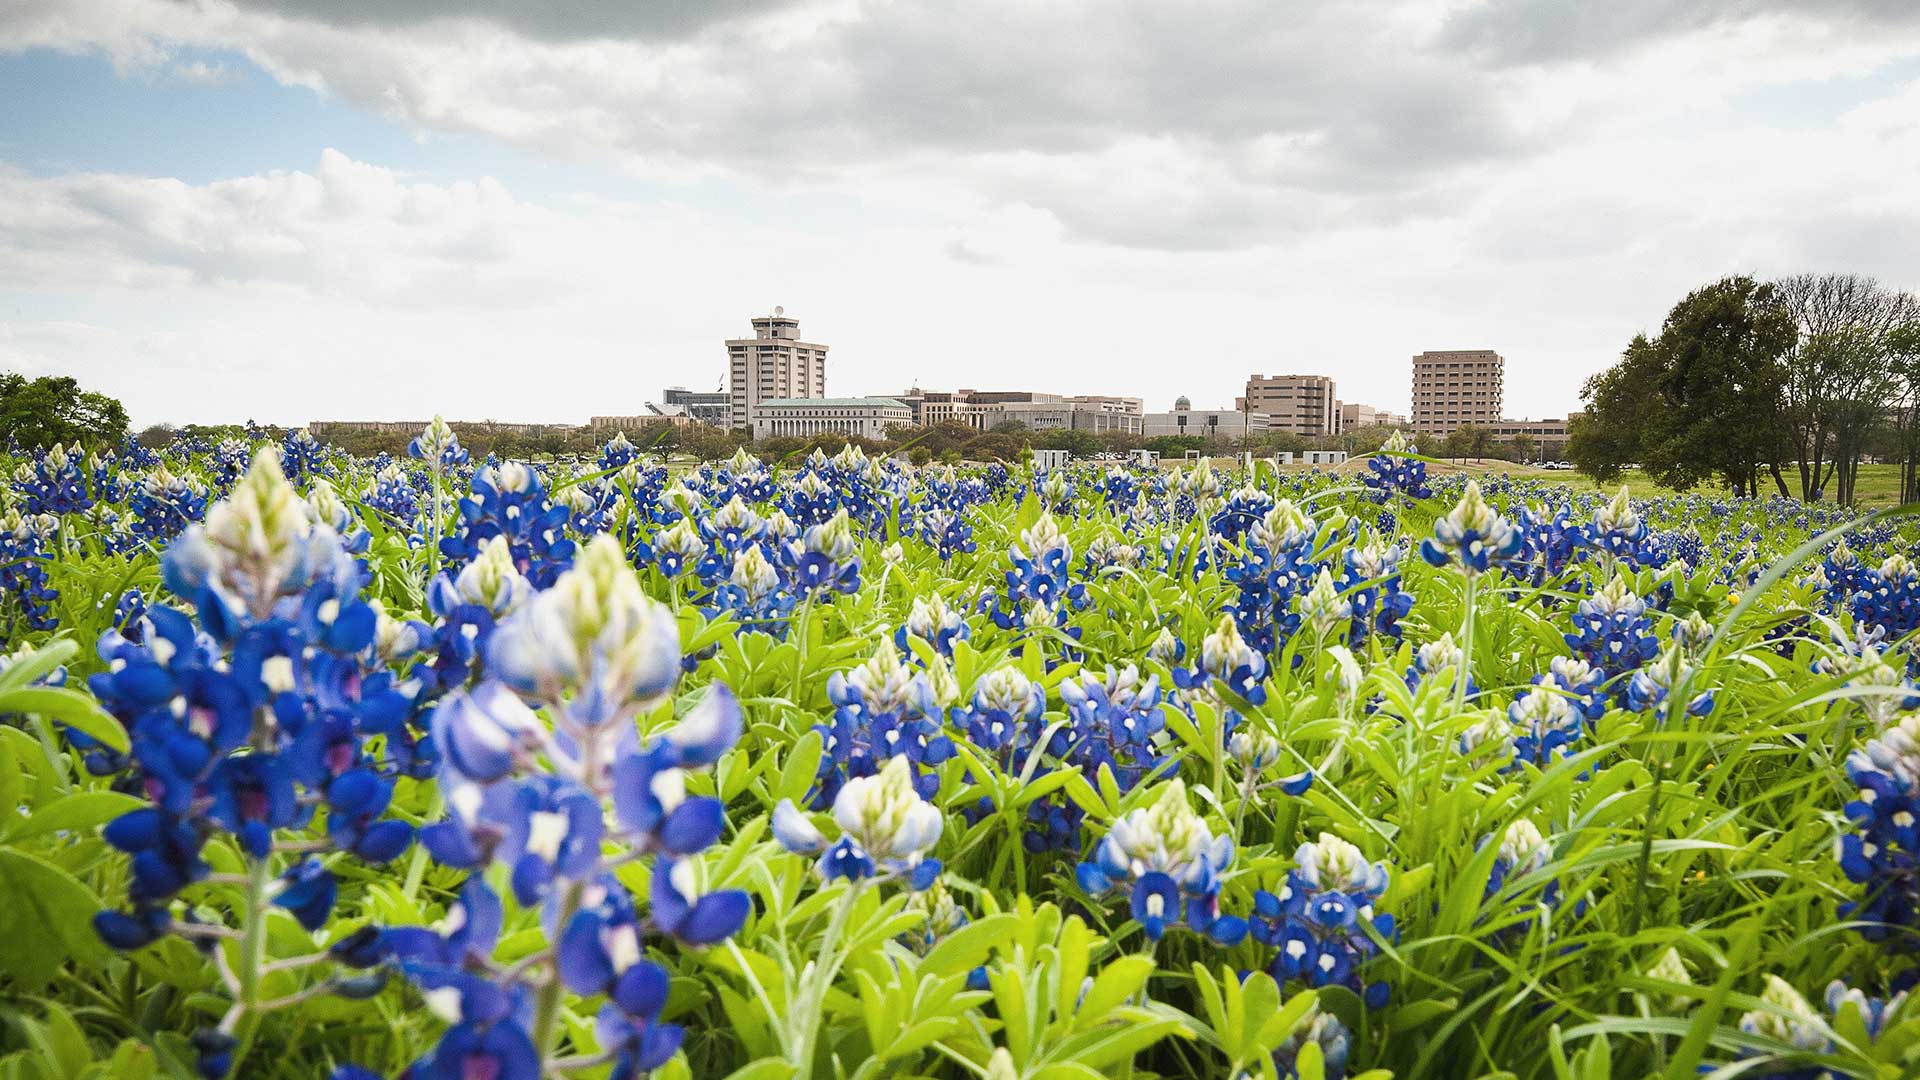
{"x":203,"y":206}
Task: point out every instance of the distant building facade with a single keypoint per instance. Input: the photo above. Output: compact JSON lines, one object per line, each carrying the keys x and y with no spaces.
{"x":772,"y":365}
{"x":1354,"y":415}
{"x":1206,"y":423}
{"x":1296,"y":404}
{"x":985,"y":410}
{"x":865,"y":417}
{"x":1549,"y":435}
{"x":1456,"y":387}
{"x":705,"y":407}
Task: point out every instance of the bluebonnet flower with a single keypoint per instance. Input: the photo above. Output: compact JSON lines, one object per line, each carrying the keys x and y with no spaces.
{"x":1320,"y":917}
{"x":1117,"y":722}
{"x":1391,"y":472}
{"x":673,"y":550}
{"x":247,"y":721}
{"x":1005,"y":721}
{"x":618,"y":452}
{"x":1039,"y":586}
{"x":1107,"y":554}
{"x":886,"y":829}
{"x":1472,"y":535}
{"x":439,"y":446}
{"x":510,"y":501}
{"x":1243,"y":510}
{"x":1883,"y":853}
{"x":1325,"y":1031}
{"x":1540,"y":727}
{"x":595,"y":652}
{"x":1866,"y":666}
{"x":1612,"y":631}
{"x":811,"y":500}
{"x":27,"y":595}
{"x":164,"y":504}
{"x":1169,"y":863}
{"x":1618,"y":530}
{"x":55,"y":483}
{"x":754,"y":595}
{"x":1551,"y":542}
{"x":1786,"y":1018}
{"x":1649,"y":687}
{"x":1167,"y":649}
{"x":1522,"y":852}
{"x":1120,"y":488}
{"x":883,"y":709}
{"x":1227,"y":663}
{"x":730,"y":531}
{"x":1890,"y":602}
{"x":947,"y":532}
{"x":931,"y":620}
{"x":1276,"y":565}
{"x":1055,"y":490}
{"x":394,"y":496}
{"x":826,"y":561}
{"x":747,"y":478}
{"x":1323,"y":608}
{"x":1372,"y":585}
{"x":302,"y":457}
{"x":325,"y":507}
{"x":1842,"y":574}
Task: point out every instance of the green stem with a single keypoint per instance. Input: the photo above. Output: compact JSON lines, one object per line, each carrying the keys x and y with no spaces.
{"x":242,"y":1020}
{"x":546,"y":1015}
{"x":1466,"y":647}
{"x":809,"y":1014}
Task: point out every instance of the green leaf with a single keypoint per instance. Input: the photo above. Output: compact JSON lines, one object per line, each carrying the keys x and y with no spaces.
{"x":46,"y":918}
{"x":70,"y":707}
{"x":80,"y":812}
{"x":1117,"y":982}
{"x":764,"y":1069}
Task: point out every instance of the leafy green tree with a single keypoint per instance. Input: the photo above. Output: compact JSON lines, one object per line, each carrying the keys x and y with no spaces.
{"x":53,"y":409}
{"x":1840,"y":378}
{"x":1703,"y":399}
{"x":1604,"y":440}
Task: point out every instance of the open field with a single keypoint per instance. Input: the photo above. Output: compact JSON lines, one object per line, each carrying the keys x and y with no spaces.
{"x":327,"y":766}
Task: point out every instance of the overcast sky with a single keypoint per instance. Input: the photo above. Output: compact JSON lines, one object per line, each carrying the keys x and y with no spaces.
{"x":333,"y":209}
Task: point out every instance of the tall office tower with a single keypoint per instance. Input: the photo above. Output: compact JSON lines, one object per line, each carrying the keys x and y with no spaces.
{"x":773,"y":363}
{"x":1298,"y":404}
{"x":1456,"y":387}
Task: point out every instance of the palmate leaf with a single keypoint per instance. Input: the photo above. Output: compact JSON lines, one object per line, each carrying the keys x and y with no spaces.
{"x":46,"y":919}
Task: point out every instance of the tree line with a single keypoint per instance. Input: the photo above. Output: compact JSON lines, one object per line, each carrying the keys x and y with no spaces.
{"x":1789,"y":385}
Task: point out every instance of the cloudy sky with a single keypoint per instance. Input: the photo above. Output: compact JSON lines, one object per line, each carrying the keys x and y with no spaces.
{"x":312,"y":209}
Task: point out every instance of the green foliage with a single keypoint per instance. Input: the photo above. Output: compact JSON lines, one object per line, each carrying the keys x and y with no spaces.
{"x":54,"y":409}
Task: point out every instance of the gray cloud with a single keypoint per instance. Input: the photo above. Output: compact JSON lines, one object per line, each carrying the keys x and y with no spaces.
{"x":1215,"y":124}
{"x":1547,"y":31}
{"x":549,"y":20}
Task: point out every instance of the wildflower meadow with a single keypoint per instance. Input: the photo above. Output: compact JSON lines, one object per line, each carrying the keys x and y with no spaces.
{"x":840,"y":767}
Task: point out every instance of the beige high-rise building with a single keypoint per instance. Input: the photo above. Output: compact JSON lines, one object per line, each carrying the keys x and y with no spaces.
{"x":1297,"y":404}
{"x":772,"y":364}
{"x":1456,"y":387}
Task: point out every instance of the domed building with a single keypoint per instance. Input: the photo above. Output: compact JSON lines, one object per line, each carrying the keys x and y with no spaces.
{"x":1182,"y":404}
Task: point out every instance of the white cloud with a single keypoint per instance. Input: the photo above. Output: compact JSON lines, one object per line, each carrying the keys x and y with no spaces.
{"x":1127,"y":197}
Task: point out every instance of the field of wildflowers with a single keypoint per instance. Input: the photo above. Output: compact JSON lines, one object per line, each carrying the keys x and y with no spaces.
{"x":465,"y":770}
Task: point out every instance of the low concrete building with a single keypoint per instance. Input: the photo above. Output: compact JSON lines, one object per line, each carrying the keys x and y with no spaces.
{"x":1549,"y":435}
{"x":1354,"y":415}
{"x":1206,"y":423}
{"x":1323,"y":457}
{"x":865,"y":417}
{"x":1050,"y":459}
